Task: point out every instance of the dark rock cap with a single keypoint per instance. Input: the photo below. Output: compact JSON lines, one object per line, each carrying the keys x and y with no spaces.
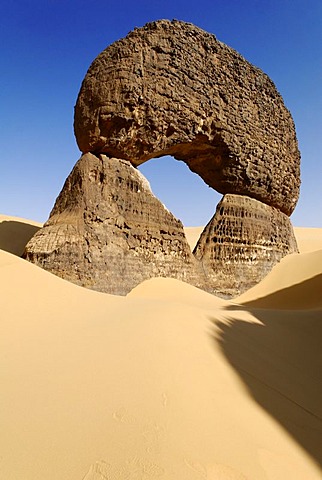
{"x":170,"y":88}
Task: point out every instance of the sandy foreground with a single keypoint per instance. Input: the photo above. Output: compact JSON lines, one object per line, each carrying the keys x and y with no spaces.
{"x":167,"y":383}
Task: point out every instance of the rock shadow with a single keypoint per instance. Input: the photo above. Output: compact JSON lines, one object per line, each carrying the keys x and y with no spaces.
{"x":15,"y":235}
{"x":303,"y":295}
{"x":280,"y":362}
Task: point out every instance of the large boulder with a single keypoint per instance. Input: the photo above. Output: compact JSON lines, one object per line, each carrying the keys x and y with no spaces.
{"x":108,"y":232}
{"x":172,"y":88}
{"x":241,"y":243}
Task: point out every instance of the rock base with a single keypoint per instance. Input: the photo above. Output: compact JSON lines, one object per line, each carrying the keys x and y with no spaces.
{"x":108,"y":232}
{"x":241,"y":244}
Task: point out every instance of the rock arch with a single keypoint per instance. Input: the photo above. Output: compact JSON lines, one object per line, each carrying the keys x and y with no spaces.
{"x":169,"y":88}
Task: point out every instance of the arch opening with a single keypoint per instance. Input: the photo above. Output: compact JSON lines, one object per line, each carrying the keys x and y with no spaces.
{"x":183,"y":192}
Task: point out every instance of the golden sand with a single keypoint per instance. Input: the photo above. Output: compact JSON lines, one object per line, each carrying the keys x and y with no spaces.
{"x":167,"y":383}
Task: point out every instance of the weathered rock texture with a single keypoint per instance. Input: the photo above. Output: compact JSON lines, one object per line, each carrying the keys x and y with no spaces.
{"x":172,"y":88}
{"x":108,"y":232}
{"x":242,"y":242}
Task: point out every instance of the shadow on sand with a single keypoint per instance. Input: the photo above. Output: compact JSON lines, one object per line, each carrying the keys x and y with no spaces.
{"x":280,"y":362}
{"x":15,"y":235}
{"x":304,"y":295}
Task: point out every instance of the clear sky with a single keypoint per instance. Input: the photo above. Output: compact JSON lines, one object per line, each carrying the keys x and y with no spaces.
{"x":48,"y":45}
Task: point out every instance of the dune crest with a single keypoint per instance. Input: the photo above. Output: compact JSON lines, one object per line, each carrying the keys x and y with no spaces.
{"x":293,"y":284}
{"x":15,"y":232}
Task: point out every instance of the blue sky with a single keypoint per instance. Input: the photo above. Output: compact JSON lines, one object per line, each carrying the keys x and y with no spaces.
{"x":48,"y":45}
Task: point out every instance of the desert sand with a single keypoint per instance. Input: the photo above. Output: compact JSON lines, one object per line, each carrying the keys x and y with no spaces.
{"x":167,"y":383}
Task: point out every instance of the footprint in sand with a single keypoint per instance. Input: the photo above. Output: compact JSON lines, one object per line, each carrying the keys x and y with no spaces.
{"x":215,"y":472}
{"x":98,"y":471}
{"x":224,"y":472}
{"x":123,"y":416}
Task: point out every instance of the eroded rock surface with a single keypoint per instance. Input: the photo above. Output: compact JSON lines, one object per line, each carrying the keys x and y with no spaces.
{"x":108,"y":232}
{"x":242,"y":242}
{"x":172,"y":88}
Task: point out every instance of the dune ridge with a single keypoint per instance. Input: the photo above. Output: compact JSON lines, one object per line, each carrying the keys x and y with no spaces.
{"x":15,"y":233}
{"x":169,"y":382}
{"x":295,"y":283}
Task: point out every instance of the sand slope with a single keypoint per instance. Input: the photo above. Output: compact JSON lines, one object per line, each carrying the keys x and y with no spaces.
{"x":169,"y":383}
{"x":296,"y":282}
{"x":308,"y":239}
{"x":15,"y":233}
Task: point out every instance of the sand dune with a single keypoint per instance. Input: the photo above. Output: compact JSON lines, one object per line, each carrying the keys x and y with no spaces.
{"x":168,"y":382}
{"x":173,"y":290}
{"x":308,"y":239}
{"x":15,"y":233}
{"x":192,"y":235}
{"x":294,"y":283}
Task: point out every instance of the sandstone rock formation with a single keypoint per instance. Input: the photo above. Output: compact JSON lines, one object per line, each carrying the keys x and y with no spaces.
{"x":241,"y":243}
{"x":171,"y":88}
{"x":108,"y":232}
